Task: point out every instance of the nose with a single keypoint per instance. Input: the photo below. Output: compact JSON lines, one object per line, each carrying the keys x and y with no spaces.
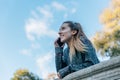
{"x":59,"y":32}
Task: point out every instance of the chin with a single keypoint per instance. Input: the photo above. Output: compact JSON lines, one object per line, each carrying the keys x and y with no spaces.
{"x":62,"y":40}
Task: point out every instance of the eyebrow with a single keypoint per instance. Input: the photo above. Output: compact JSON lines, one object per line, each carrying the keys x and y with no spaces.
{"x":61,"y":27}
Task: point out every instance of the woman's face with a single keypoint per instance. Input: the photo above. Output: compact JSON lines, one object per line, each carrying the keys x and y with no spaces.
{"x":65,"y":32}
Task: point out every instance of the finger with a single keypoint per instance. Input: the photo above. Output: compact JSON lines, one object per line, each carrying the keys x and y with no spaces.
{"x":63,"y":45}
{"x":55,"y":43}
{"x":56,"y":39}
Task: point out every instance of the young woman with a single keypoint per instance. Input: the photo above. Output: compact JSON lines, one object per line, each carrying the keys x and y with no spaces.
{"x":79,"y":53}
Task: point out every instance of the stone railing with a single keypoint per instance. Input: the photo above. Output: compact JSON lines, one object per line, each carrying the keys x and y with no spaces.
{"x":107,"y":70}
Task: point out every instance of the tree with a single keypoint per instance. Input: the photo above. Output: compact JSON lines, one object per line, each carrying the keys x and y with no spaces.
{"x":107,"y":41}
{"x":24,"y":74}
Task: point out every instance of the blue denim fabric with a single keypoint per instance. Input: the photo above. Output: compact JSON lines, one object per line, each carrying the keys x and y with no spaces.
{"x":79,"y":61}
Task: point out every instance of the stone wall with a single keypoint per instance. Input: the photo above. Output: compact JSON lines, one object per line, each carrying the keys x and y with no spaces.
{"x":107,"y":70}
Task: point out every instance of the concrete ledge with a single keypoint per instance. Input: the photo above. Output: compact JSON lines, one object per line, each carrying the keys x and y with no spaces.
{"x":107,"y":70}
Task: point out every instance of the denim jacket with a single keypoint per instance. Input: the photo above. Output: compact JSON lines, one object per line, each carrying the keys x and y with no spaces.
{"x":79,"y":61}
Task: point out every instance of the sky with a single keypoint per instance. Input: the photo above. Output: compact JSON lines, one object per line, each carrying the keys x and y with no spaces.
{"x":28,"y":29}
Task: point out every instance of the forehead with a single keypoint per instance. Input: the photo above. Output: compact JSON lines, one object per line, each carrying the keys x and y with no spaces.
{"x":64,"y":25}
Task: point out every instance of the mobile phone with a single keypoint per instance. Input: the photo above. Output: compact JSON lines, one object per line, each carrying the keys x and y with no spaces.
{"x":59,"y":42}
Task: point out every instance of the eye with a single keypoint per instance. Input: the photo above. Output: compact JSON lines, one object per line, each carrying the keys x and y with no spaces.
{"x":63,"y":28}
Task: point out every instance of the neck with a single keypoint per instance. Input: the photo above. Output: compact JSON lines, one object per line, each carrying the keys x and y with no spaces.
{"x":69,"y":42}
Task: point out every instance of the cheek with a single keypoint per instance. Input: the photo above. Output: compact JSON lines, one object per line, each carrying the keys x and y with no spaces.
{"x":68,"y":35}
{"x":66,"y":32}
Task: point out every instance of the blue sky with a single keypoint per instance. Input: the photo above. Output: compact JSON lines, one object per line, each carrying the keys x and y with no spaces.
{"x":28,"y":30}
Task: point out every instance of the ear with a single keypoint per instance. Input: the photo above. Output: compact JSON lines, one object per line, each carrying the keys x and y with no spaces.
{"x":74,"y":32}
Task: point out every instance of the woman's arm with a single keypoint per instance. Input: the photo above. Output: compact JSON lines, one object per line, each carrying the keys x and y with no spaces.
{"x":88,"y":58}
{"x":58,"y":58}
{"x":74,"y":67}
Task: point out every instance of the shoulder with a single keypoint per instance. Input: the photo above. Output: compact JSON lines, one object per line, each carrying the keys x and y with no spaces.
{"x":91,"y":52}
{"x":66,"y":51}
{"x":86,"y":42}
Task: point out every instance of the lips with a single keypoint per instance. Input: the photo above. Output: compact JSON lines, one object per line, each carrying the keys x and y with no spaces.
{"x":61,"y":36}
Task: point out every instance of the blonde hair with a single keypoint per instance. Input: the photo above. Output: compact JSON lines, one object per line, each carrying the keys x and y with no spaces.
{"x":76,"y":44}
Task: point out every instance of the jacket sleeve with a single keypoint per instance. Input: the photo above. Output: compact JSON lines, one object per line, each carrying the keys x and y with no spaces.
{"x":75,"y":67}
{"x":58,"y":58}
{"x":88,"y":59}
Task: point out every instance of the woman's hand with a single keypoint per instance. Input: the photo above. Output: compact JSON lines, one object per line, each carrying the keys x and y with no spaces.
{"x":58,"y":75}
{"x":56,"y":44}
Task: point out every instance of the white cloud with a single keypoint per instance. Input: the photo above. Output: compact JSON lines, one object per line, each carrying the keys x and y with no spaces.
{"x":74,"y":3}
{"x":73,"y":10}
{"x":101,"y":58}
{"x":43,"y":64}
{"x":37,"y":27}
{"x":35,"y":15}
{"x":26,"y":52}
{"x":65,"y":15}
{"x":35,"y":45}
{"x":45,"y":11}
{"x":58,"y":6}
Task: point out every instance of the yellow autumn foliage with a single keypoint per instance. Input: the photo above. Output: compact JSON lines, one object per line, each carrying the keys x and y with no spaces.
{"x":21,"y":72}
{"x":108,"y":40}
